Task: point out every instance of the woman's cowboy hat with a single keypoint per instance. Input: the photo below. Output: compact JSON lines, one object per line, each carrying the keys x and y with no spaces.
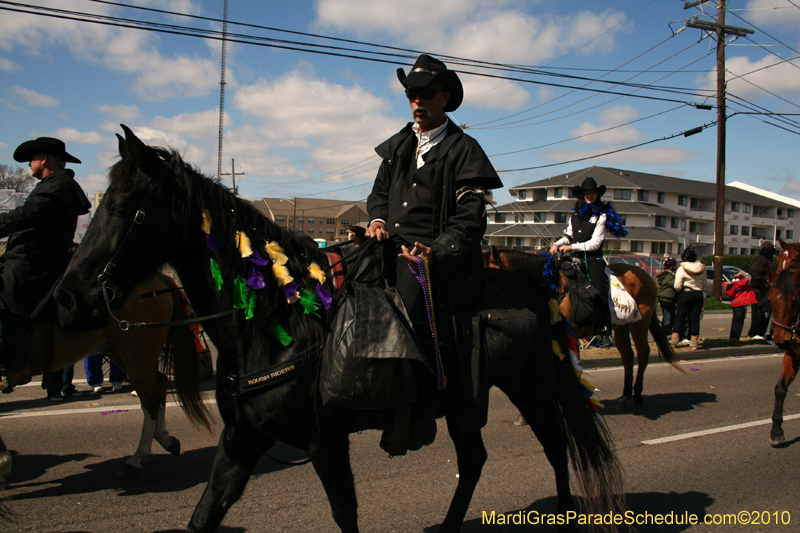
{"x":43,"y":145}
{"x":588,"y":185}
{"x":427,"y":69}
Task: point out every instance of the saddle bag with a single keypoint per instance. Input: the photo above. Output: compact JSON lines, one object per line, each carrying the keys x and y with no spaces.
{"x":583,"y":297}
{"x":368,"y":357}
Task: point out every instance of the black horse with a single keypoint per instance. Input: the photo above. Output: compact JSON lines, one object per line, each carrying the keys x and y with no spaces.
{"x":159,"y":209}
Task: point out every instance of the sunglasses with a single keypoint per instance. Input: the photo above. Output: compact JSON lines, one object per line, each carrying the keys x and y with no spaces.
{"x":426,"y":93}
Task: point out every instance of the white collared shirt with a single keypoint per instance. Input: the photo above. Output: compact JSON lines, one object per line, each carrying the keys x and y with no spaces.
{"x":428,"y":139}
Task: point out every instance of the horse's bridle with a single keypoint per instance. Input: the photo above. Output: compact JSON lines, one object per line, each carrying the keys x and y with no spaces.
{"x":794,"y":329}
{"x":111,"y":291}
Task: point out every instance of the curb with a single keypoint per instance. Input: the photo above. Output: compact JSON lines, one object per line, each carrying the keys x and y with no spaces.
{"x":685,"y":355}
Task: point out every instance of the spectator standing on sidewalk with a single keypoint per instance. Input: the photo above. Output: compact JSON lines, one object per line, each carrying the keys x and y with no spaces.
{"x":667,"y":295}
{"x":93,"y":365}
{"x":741,"y":295}
{"x":689,"y":280}
{"x":760,"y":310}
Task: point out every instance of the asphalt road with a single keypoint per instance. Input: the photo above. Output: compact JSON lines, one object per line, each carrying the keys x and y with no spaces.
{"x":66,"y":457}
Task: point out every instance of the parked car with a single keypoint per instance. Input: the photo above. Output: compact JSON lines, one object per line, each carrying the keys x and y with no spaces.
{"x":651,"y":265}
{"x":728,"y":272}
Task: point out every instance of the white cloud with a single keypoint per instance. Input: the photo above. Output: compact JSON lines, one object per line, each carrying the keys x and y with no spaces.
{"x":30,"y":97}
{"x":773,"y":12}
{"x":497,"y":30}
{"x":195,"y":125}
{"x":493,"y":93}
{"x":6,"y":65}
{"x":71,"y":135}
{"x":643,"y":156}
{"x":120,"y":113}
{"x":609,"y":118}
{"x":781,"y":78}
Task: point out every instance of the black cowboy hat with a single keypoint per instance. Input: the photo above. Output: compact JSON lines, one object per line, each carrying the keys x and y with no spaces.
{"x":43,"y":145}
{"x":588,"y":185}
{"x":427,"y":69}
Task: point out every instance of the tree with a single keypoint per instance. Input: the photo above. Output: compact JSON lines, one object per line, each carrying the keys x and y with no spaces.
{"x":19,"y":179}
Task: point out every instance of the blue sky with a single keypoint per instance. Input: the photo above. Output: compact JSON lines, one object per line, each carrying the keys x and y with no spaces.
{"x":302,"y":124}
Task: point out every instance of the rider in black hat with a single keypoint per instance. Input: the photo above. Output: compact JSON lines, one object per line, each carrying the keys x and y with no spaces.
{"x":585,"y":234}
{"x":40,"y":235}
{"x":429,"y":200}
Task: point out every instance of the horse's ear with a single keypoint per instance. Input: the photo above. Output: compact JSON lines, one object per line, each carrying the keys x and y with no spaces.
{"x":784,"y":245}
{"x":123,"y":148}
{"x":146,"y":158}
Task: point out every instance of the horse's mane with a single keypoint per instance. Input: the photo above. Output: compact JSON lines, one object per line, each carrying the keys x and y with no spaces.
{"x":195,"y":194}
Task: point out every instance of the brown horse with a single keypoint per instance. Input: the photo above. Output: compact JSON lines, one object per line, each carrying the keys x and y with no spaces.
{"x":136,"y":351}
{"x":639,"y":284}
{"x":783,"y":297}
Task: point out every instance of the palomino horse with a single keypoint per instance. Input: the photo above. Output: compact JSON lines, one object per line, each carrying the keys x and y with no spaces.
{"x":268,"y":356}
{"x":137,"y":352}
{"x":783,"y":298}
{"x":639,"y":284}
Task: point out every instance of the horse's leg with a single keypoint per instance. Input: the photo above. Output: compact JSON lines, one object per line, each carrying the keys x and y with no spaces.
{"x":5,"y":462}
{"x":471,"y":454}
{"x":622,"y":339}
{"x":233,"y":465}
{"x":639,"y":333}
{"x":788,"y":373}
{"x":331,"y":459}
{"x":542,"y":417}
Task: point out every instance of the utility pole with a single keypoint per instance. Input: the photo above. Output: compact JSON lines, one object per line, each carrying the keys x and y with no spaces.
{"x":233,"y":174}
{"x":722,"y":31}
{"x":222,"y":90}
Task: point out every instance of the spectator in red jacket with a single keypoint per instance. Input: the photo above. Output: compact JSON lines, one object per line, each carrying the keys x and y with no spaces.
{"x":741,"y":295}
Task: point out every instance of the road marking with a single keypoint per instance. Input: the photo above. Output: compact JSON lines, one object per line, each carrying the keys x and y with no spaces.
{"x":723,"y":429}
{"x":691,"y":361}
{"x":85,"y":410}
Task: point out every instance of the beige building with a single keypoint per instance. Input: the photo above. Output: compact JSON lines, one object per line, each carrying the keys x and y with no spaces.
{"x":315,"y":217}
{"x":664,"y":215}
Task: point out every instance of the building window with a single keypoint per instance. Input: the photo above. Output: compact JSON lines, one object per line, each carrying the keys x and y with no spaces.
{"x":744,"y":251}
{"x":522,"y":194}
{"x":330,"y":231}
{"x":644,"y":196}
{"x":695,"y":203}
{"x":777,"y":234}
{"x":683,"y":225}
{"x":622,"y":194}
{"x":745,"y":208}
{"x":789,"y":234}
{"x":790,"y":213}
{"x":342,"y":231}
{"x":734,"y":229}
{"x":310,"y":220}
{"x":280,"y":218}
{"x":330,"y":221}
{"x":661,"y":222}
{"x":344,"y":222}
{"x":746,"y":230}
{"x":682,"y":200}
{"x":300,"y":229}
{"x":310,"y":231}
{"x":557,"y":192}
{"x":693,"y":227}
{"x":658,"y":248}
{"x":731,"y":251}
{"x":637,"y":246}
{"x":540,"y":217}
{"x":662,"y":197}
{"x":674,"y":222}
{"x":519,"y":217}
{"x":500,"y":218}
{"x":680,"y":248}
{"x":561,"y":218}
{"x":299,"y":219}
{"x":735,"y":207}
{"x":623,"y":219}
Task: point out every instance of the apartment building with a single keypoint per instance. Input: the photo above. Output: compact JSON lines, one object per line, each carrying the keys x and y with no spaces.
{"x":664,"y":215}
{"x":318,"y":218}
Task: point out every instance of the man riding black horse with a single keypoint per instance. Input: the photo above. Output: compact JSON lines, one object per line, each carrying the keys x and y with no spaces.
{"x":40,"y":235}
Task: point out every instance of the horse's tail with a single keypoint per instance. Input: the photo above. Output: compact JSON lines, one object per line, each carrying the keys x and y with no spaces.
{"x":664,"y":347}
{"x":597,"y":470}
{"x":182,"y":359}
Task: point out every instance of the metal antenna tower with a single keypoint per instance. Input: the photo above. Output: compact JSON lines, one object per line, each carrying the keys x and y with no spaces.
{"x":222,"y":88}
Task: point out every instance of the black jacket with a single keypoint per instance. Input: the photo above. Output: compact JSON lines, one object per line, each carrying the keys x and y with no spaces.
{"x":459,"y":213}
{"x":37,"y":253}
{"x":758,"y":272}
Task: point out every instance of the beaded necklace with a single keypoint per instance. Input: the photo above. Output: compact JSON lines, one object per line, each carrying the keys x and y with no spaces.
{"x":424,"y":279}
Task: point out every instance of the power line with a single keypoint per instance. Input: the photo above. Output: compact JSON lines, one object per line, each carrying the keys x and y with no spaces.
{"x":595,"y":156}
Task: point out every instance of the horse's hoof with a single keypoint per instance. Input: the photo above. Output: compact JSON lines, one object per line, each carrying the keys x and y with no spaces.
{"x":623,"y":403}
{"x":129,"y":471}
{"x":175,"y":447}
{"x":776,"y":439}
{"x":520,"y":421}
